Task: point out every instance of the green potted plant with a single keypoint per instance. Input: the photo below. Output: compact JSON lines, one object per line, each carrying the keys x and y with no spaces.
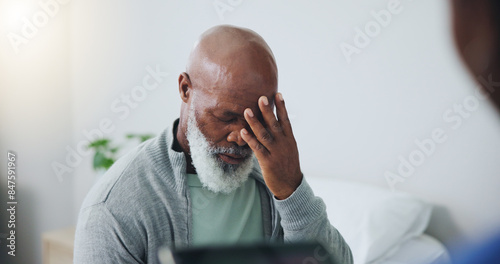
{"x":106,"y":152}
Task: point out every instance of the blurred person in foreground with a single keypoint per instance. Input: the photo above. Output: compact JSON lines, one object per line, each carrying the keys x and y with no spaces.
{"x":226,"y":172}
{"x":477,"y":37}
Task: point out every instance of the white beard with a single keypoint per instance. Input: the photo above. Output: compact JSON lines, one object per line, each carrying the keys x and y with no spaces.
{"x":215,"y":174}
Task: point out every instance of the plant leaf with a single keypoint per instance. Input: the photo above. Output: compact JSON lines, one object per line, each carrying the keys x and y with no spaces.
{"x":108,"y":162}
{"x":145,"y":137}
{"x":103,"y":142}
{"x":99,"y":159}
{"x":114,"y":150}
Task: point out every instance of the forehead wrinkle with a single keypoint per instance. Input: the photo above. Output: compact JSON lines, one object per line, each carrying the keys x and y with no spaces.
{"x":208,"y":75}
{"x":216,"y":102}
{"x":233,"y":109}
{"x":212,"y":75}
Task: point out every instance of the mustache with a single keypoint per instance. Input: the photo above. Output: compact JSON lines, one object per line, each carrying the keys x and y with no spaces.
{"x":243,"y":151}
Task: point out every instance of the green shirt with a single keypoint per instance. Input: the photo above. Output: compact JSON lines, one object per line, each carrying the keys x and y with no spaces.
{"x":225,"y":218}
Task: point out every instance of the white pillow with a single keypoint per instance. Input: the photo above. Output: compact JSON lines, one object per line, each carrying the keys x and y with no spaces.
{"x":373,"y":221}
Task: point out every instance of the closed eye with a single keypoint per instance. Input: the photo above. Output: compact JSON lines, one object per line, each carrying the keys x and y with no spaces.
{"x":228,"y":117}
{"x":228,"y":120}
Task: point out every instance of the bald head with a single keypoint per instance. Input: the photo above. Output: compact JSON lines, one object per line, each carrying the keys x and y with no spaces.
{"x":231,"y":53}
{"x":228,"y":70}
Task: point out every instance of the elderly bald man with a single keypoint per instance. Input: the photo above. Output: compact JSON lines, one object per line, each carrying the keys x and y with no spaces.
{"x":226,"y":172}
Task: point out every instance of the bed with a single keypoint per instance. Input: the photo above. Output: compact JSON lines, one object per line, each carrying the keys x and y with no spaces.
{"x":421,"y":249}
{"x":380,"y":226}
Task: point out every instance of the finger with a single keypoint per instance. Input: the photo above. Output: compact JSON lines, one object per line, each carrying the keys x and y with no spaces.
{"x":263,"y":136}
{"x":282,"y":114}
{"x":254,"y":144}
{"x":268,"y":115}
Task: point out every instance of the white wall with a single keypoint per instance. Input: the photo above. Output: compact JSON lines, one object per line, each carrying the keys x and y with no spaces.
{"x":351,"y":120}
{"x":35,"y":122}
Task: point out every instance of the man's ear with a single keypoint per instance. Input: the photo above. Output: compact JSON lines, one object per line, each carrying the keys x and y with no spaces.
{"x":185,"y":86}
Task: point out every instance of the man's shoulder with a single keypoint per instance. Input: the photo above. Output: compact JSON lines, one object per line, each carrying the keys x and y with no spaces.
{"x":133,"y":177}
{"x":118,"y":173}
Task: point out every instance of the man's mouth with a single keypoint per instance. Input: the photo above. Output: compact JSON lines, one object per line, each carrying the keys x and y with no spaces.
{"x":231,"y":158}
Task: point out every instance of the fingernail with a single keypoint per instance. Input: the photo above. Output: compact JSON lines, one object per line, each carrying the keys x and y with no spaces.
{"x":244,"y":131}
{"x":280,"y":96}
{"x":264,"y":100}
{"x":249,"y":112}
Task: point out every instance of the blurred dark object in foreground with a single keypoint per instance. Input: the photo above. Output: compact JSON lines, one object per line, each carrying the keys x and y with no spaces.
{"x":297,"y":253}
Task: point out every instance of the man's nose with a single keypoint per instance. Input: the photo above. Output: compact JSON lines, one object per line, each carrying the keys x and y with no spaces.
{"x":235,"y":137}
